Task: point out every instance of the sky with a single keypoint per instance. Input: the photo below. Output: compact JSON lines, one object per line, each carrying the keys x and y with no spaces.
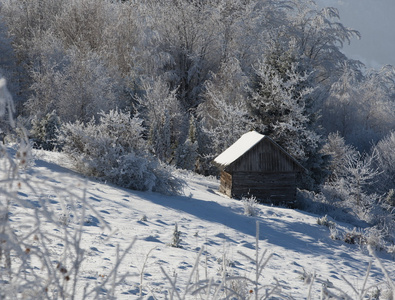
{"x":375,"y":20}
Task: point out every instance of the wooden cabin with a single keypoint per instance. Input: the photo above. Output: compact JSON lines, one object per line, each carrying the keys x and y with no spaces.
{"x":256,"y":166}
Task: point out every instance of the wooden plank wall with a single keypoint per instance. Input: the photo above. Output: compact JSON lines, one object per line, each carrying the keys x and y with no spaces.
{"x":268,"y":187}
{"x":265,"y":172}
{"x":264,"y":157}
{"x":226,"y":184}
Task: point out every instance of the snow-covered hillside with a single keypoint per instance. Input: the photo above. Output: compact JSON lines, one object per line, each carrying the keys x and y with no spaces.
{"x":210,"y":224}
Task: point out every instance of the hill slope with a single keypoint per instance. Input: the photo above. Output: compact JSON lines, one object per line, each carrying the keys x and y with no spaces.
{"x":114,"y":216}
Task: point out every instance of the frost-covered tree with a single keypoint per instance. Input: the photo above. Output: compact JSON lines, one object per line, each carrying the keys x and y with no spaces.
{"x":375,"y":107}
{"x":6,"y":104}
{"x":44,"y":131}
{"x":280,"y":101}
{"x":187,"y":32}
{"x":224,"y":113}
{"x":317,"y":35}
{"x":353,"y":179}
{"x":78,"y":87}
{"x":385,"y":161}
{"x":339,"y":108}
{"x":7,"y":110}
{"x":187,"y":153}
{"x":82,"y":24}
{"x":123,"y":47}
{"x":244,"y":28}
{"x":360,"y":107}
{"x":28,"y":23}
{"x":339,"y":153}
{"x":8,"y":64}
{"x":361,"y":174}
{"x":164,"y":117}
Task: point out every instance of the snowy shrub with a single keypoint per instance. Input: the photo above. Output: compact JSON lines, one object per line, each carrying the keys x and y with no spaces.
{"x":176,"y":238}
{"x":355,"y":237}
{"x":385,"y":215}
{"x":391,"y":250}
{"x":372,"y":237}
{"x":351,"y":185}
{"x":166,"y":182}
{"x":375,"y":238}
{"x":325,"y":222}
{"x":312,"y":201}
{"x":334,"y":233}
{"x":250,"y":206}
{"x":114,"y":150}
{"x":130,"y":171}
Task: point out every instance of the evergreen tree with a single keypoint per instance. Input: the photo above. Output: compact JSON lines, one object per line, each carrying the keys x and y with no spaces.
{"x":280,"y":103}
{"x":187,"y":153}
{"x":44,"y":131}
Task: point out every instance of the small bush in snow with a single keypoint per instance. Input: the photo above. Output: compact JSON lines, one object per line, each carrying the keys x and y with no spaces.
{"x":250,"y":206}
{"x":355,"y":237}
{"x":176,"y":238}
{"x":306,"y":277}
{"x":334,"y":233}
{"x":312,"y":202}
{"x":224,"y":266}
{"x":114,"y":150}
{"x":391,"y":250}
{"x":325,"y":222}
{"x":375,"y":238}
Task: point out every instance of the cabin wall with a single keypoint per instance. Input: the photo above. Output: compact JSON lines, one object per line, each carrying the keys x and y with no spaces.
{"x":276,"y":188}
{"x":264,"y":157}
{"x":265,"y":171}
{"x":226,"y":184}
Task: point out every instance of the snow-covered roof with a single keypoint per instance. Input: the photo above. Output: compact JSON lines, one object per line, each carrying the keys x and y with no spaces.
{"x":241,"y":146}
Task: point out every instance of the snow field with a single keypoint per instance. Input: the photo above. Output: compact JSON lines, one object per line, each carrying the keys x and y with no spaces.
{"x":115,"y":217}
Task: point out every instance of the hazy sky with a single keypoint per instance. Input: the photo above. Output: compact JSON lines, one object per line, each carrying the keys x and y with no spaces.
{"x":375,"y":20}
